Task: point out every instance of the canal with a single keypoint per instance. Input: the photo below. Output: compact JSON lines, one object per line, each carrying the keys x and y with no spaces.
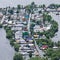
{"x":6,"y":51}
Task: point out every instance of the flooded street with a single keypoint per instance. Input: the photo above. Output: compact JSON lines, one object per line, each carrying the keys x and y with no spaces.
{"x":6,"y":51}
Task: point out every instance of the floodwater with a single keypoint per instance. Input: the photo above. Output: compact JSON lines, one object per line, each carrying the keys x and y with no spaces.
{"x":6,"y":51}
{"x":57,"y":19}
{"x":5,"y":3}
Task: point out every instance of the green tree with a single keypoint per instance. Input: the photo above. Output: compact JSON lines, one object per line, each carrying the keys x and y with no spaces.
{"x":33,"y":5}
{"x":11,"y":11}
{"x":49,"y":52}
{"x":9,"y":34}
{"x":19,"y":6}
{"x":28,"y":9}
{"x":43,"y":6}
{"x":9,"y":17}
{"x":58,"y":43}
{"x":37,"y":58}
{"x":53,"y":54}
{"x":30,"y":54}
{"x":17,"y":57}
{"x":0,"y":25}
{"x":40,"y":11}
{"x":55,"y":58}
{"x":16,"y":47}
{"x":12,"y":42}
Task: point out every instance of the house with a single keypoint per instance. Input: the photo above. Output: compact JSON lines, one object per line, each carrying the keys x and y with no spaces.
{"x":18,"y":35}
{"x":36,"y":36}
{"x":37,"y":28}
{"x":22,"y":41}
{"x":36,"y":53}
{"x":29,"y":40}
{"x":10,"y":22}
{"x":14,"y":16}
{"x":58,"y":9}
{"x":50,"y":10}
{"x":55,"y":47}
{"x":23,"y":18}
{"x":44,"y":47}
{"x":27,"y":16}
{"x":18,"y":18}
{"x":17,"y":28}
{"x":1,"y":15}
{"x":22,"y":10}
{"x":43,"y":37}
{"x":19,"y":25}
{"x":31,"y":45}
{"x":47,"y":27}
{"x":17,"y":41}
{"x":25,"y":29}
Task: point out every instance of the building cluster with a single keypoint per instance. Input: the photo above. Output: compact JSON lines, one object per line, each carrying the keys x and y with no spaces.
{"x":19,"y":23}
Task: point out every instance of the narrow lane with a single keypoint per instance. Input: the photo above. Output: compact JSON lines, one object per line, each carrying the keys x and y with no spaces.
{"x":28,"y":25}
{"x":41,"y":53}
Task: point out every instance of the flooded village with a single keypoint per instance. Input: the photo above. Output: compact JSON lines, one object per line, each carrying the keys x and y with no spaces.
{"x":32,"y":30}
